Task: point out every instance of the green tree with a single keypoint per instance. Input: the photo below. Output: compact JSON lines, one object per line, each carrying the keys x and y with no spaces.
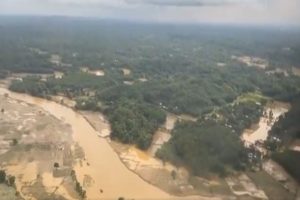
{"x":11,"y":180}
{"x":2,"y":176}
{"x":56,"y":165}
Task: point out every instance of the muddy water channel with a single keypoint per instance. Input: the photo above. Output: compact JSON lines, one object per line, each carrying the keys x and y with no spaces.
{"x":259,"y":132}
{"x":103,"y":166}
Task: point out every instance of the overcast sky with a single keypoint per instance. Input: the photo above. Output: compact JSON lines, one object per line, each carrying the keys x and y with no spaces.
{"x":184,"y":11}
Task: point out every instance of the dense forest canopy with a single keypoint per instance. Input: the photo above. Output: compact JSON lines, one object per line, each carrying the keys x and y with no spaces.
{"x":204,"y":147}
{"x":140,"y":46}
{"x":182,"y":69}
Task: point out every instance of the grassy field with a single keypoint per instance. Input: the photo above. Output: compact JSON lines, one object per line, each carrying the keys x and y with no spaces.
{"x":255,"y":97}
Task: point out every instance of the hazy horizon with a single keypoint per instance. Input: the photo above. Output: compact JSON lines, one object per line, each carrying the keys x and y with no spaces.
{"x":247,"y":12}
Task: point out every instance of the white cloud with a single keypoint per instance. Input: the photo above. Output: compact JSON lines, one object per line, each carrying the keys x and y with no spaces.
{"x":191,"y":3}
{"x":186,"y":11}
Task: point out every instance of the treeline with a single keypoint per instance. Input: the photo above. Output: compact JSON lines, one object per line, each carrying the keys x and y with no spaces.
{"x":212,"y":145}
{"x":134,"y":122}
{"x":31,"y":85}
{"x":204,"y":148}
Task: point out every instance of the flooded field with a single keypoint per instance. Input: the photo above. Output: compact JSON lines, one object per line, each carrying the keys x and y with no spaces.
{"x":31,"y":142}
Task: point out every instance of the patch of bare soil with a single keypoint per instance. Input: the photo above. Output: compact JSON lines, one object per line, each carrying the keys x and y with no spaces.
{"x":295,"y":146}
{"x":126,"y":71}
{"x":98,"y":72}
{"x":128,"y":82}
{"x":278,"y":71}
{"x":296,"y":71}
{"x":252,"y":61}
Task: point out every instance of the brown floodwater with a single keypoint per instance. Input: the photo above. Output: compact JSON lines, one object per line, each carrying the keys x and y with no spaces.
{"x":263,"y":127}
{"x":109,"y":174}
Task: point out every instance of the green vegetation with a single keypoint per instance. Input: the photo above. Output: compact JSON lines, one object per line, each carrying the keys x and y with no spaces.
{"x":183,"y":75}
{"x":14,"y":142}
{"x":78,"y":188}
{"x":31,"y":85}
{"x":134,"y":122}
{"x":11,"y":180}
{"x":56,"y":165}
{"x":213,"y":144}
{"x":2,"y":176}
{"x":241,"y":115}
{"x":254,"y":97}
{"x":204,"y":147}
{"x":7,"y":179}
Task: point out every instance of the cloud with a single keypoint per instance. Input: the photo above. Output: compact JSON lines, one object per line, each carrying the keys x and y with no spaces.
{"x":183,"y":11}
{"x":190,"y":3}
